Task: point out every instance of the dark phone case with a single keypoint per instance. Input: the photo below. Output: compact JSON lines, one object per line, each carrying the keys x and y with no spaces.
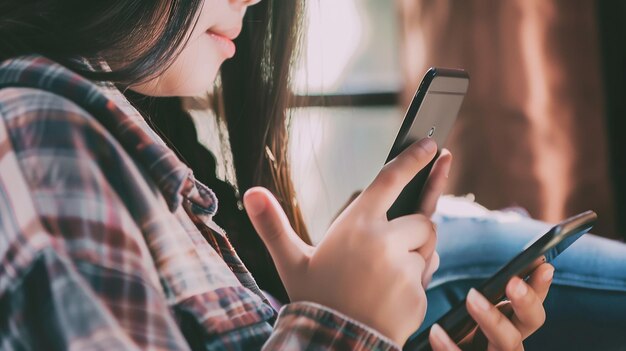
{"x":408,"y":201}
{"x":458,"y":323}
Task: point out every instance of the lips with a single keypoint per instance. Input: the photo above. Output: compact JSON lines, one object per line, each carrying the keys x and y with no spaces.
{"x":230,"y":32}
{"x":224,"y":43}
{"x":223,"y":38}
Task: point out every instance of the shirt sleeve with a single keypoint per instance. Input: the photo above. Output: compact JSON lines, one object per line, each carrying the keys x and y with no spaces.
{"x":310,"y":326}
{"x":72,"y":269}
{"x":303,"y":326}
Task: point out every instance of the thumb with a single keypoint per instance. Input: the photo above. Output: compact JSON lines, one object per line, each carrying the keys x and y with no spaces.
{"x":289,"y":252}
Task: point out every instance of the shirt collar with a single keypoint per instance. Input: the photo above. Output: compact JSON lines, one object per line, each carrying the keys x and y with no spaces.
{"x":108,"y":105}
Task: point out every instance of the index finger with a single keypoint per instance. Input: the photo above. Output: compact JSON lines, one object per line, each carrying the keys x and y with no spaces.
{"x":395,"y":175}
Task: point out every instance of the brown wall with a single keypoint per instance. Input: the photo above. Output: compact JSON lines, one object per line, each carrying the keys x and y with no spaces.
{"x":531,"y":131}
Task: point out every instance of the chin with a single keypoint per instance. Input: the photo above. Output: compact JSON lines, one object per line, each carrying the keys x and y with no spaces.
{"x":193,"y":87}
{"x":198,"y":80}
{"x":192,"y":80}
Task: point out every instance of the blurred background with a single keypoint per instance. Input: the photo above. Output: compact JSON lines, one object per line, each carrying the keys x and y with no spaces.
{"x":539,"y":129}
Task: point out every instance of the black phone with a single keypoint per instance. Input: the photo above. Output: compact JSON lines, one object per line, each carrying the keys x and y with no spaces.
{"x":431,"y":114}
{"x":458,"y":323}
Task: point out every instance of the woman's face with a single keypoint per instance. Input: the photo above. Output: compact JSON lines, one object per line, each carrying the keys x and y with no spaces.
{"x":209,"y":45}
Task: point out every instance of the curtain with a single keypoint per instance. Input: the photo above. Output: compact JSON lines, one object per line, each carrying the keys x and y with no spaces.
{"x":531,"y":132}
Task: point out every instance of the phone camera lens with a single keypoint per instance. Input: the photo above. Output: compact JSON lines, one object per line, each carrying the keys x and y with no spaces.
{"x":431,"y":132}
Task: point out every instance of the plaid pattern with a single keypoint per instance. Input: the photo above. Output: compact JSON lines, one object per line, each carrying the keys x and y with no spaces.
{"x":103,"y":235}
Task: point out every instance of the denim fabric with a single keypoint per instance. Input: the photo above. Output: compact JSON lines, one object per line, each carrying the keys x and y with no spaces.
{"x":586,"y":305}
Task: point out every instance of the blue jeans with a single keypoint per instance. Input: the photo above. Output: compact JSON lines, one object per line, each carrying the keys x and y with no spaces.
{"x":586,"y":305}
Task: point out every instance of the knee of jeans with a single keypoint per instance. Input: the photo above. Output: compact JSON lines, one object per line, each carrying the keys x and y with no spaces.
{"x":474,"y":242}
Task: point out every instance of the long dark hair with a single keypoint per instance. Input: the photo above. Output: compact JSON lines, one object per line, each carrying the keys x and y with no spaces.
{"x":142,"y":38}
{"x":256,"y":94}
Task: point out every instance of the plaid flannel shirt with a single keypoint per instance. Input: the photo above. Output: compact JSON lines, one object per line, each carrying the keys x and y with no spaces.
{"x":103,"y":235}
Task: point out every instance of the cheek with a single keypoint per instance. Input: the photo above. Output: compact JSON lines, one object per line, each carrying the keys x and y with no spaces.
{"x":194,"y":71}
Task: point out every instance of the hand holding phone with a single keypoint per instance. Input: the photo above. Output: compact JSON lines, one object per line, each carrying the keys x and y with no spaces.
{"x":504,"y":326}
{"x":457,"y":322}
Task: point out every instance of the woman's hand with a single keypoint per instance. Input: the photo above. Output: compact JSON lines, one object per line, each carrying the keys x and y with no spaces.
{"x":503,"y":327}
{"x":366,"y":267}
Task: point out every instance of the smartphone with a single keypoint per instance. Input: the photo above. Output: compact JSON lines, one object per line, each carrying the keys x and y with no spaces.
{"x":458,"y":323}
{"x":431,"y":114}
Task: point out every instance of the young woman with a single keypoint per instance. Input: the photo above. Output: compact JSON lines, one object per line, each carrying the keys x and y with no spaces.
{"x":108,"y":240}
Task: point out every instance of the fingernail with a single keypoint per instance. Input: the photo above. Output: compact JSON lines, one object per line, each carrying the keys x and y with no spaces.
{"x":428,"y":144}
{"x":519,"y":287}
{"x":547,"y":275}
{"x":253,"y":203}
{"x":478,"y":300}
{"x":440,"y":335}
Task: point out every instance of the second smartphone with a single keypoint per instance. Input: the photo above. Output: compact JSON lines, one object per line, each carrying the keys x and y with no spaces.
{"x":431,"y":114}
